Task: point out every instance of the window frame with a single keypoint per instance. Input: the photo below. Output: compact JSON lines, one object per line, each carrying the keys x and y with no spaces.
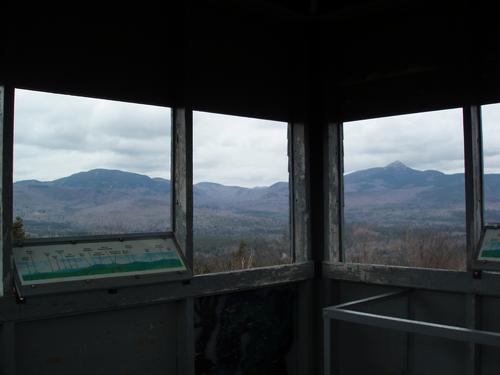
{"x":299,"y":269}
{"x":178,"y":194}
{"x":341,"y":192}
{"x":478,"y":221}
{"x":298,"y":192}
{"x":467,"y":281}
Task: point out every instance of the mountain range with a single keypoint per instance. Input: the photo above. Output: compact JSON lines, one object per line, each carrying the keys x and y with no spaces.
{"x":103,"y":201}
{"x":112,"y":201}
{"x":399,"y":195}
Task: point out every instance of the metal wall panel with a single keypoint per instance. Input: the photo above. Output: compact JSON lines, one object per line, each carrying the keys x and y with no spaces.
{"x":490,"y":356}
{"x":361,"y":349}
{"x":134,"y":341}
{"x":433,"y":355}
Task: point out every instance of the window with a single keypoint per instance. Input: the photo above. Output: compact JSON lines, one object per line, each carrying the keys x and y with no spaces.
{"x":85,"y":166}
{"x":404,"y":200}
{"x":240,"y":193}
{"x":491,"y":161}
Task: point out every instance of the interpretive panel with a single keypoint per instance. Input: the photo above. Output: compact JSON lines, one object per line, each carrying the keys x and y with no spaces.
{"x":490,"y":245}
{"x":55,"y":263}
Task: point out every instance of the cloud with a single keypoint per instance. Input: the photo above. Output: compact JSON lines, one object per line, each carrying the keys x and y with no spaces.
{"x":241,"y":151}
{"x":491,"y":137}
{"x":428,"y":140}
{"x":57,"y":135}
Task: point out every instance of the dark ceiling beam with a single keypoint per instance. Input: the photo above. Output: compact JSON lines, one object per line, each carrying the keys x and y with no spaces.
{"x":263,"y":8}
{"x":360,"y":8}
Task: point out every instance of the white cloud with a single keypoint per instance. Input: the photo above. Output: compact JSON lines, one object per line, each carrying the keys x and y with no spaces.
{"x":428,"y":140}
{"x":241,"y":151}
{"x":491,"y":137}
{"x":57,"y":135}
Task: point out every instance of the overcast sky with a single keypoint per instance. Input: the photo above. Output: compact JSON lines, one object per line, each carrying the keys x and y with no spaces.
{"x":491,"y":137}
{"x":57,"y":135}
{"x":239,"y":151}
{"x":428,"y":140}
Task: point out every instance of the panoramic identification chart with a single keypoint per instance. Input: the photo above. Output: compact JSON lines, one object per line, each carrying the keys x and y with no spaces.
{"x":490,"y":246}
{"x":43,"y":264}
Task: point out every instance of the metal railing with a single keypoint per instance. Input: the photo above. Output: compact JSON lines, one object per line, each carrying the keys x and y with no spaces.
{"x":344,"y":312}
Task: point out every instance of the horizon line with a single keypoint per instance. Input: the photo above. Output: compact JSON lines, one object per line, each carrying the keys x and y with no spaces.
{"x":236,"y":185}
{"x":150,"y":177}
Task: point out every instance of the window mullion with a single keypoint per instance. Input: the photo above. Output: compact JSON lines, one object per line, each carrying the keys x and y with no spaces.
{"x":299,"y":194}
{"x":6,"y":128}
{"x":182,"y":180}
{"x":334,"y":193}
{"x":473,"y":179}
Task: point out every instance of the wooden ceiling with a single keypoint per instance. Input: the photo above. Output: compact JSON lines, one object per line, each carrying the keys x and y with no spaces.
{"x":275,"y":59}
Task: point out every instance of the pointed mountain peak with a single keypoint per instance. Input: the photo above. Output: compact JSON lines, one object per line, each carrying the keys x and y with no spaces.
{"x":397,"y":165}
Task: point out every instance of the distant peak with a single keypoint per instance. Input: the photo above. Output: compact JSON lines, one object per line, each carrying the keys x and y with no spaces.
{"x":104,"y":171}
{"x":397,"y":165}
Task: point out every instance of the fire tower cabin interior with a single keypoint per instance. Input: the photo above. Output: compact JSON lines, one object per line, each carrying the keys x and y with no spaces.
{"x":252,"y":187}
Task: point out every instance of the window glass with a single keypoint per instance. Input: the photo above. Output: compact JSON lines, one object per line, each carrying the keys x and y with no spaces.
{"x":491,"y":161}
{"x":85,"y":166}
{"x":240,"y":193}
{"x":404,"y":200}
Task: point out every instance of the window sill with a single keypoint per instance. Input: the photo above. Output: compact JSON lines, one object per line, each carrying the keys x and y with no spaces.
{"x":410,"y":277}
